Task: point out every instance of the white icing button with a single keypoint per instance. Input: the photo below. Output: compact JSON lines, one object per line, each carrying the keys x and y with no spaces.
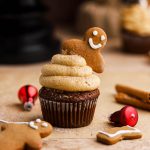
{"x":32,"y":125}
{"x":103,"y":38}
{"x":95,"y":33}
{"x":44,"y":124}
{"x":38,"y":120}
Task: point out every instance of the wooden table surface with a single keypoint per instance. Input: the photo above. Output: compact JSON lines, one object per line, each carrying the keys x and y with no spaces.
{"x":120,"y":67}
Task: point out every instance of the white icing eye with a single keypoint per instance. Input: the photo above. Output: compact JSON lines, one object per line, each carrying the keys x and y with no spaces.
{"x":44,"y":124}
{"x":38,"y":120}
{"x":103,"y":38}
{"x":95,"y":33}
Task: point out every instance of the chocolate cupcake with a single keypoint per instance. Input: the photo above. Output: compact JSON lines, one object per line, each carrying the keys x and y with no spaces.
{"x":136,"y":28}
{"x":69,"y":93}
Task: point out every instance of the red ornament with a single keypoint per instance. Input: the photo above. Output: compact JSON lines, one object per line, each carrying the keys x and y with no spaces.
{"x":28,"y":95}
{"x":126,"y":116}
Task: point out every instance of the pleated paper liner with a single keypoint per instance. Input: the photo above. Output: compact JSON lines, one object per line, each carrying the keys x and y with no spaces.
{"x":68,"y":114}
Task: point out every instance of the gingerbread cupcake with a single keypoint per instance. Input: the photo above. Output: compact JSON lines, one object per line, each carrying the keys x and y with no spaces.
{"x":135,"y":22}
{"x":69,"y":93}
{"x":70,"y":89}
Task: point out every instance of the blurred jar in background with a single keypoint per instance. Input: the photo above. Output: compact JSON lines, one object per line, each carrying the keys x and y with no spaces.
{"x":25,"y":35}
{"x":135,"y":25}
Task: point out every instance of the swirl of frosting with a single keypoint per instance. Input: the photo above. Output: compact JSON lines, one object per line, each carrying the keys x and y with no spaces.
{"x":52,"y":70}
{"x":137,"y":20}
{"x":69,"y":73}
{"x":71,"y":60}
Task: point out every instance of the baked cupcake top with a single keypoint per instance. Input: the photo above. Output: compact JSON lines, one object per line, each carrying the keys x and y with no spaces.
{"x":69,"y":73}
{"x":136,"y":19}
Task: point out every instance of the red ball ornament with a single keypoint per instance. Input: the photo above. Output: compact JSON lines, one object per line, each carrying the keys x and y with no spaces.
{"x":126,"y":116}
{"x":28,"y":95}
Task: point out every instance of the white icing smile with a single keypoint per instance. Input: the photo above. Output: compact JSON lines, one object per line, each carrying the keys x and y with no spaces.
{"x":94,"y":46}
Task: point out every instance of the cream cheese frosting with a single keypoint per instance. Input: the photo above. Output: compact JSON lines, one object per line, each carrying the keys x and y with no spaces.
{"x":136,"y":19}
{"x":68,"y":60}
{"x":52,"y":70}
{"x":69,"y":73}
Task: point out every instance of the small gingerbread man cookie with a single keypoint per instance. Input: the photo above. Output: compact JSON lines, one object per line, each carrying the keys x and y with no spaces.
{"x":89,"y":48}
{"x":23,"y":135}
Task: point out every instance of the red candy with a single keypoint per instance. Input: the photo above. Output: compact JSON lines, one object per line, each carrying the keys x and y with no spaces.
{"x":28,"y":95}
{"x":126,"y":116}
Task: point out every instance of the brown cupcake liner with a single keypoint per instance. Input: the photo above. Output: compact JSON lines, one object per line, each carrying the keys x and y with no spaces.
{"x":68,"y":114}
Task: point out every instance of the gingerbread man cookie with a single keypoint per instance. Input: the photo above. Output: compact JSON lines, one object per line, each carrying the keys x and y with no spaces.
{"x":117,"y":134}
{"x":23,"y":135}
{"x":89,"y":48}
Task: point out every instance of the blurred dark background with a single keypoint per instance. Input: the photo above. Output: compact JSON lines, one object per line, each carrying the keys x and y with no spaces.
{"x":63,"y":11}
{"x":32,"y":30}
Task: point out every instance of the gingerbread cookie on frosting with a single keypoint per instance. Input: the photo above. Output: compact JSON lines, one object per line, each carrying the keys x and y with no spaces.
{"x":117,"y":134}
{"x":89,"y":48}
{"x":23,"y":135}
